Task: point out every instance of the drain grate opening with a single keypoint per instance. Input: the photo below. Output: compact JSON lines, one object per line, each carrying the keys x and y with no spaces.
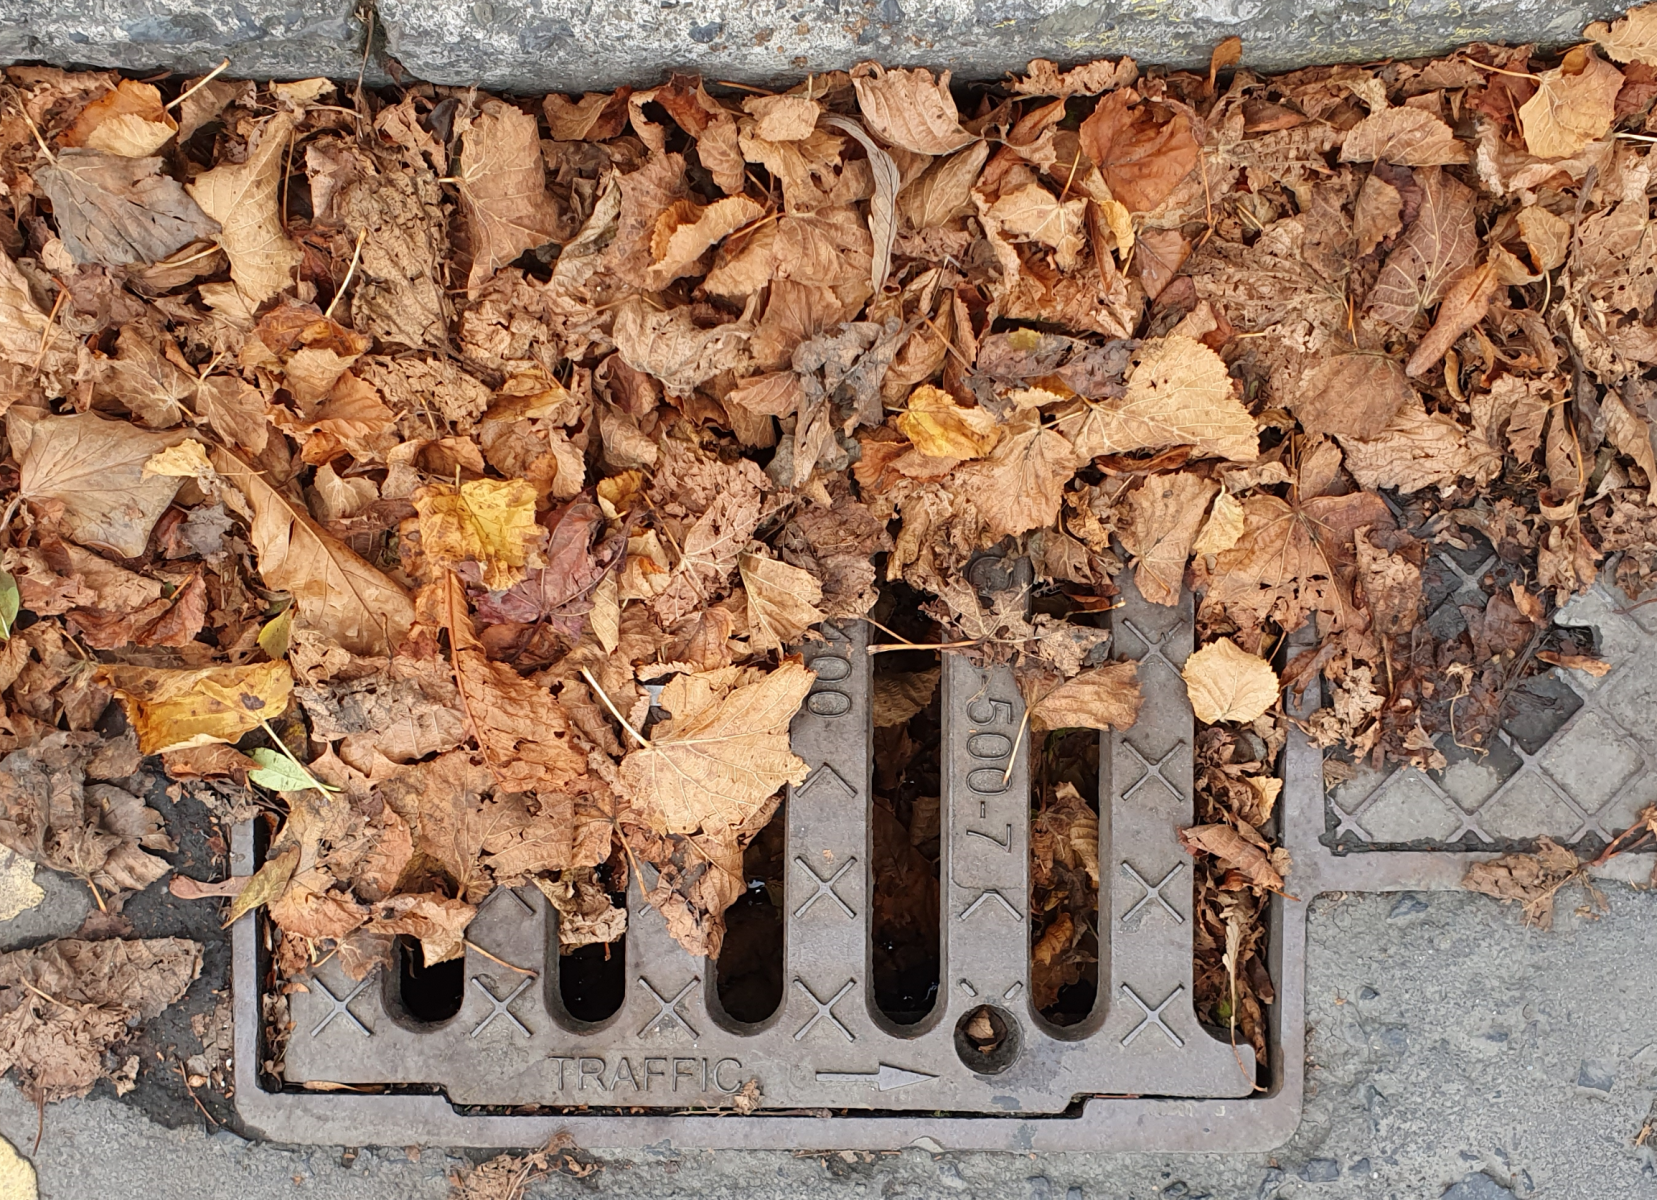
{"x":592,"y":979}
{"x":1064,"y":862}
{"x":987,"y":1039}
{"x":427,"y":995}
{"x":749,"y":969}
{"x":905,"y":816}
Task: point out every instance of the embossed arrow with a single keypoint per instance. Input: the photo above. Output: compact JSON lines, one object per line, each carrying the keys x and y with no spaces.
{"x":887,"y":1079}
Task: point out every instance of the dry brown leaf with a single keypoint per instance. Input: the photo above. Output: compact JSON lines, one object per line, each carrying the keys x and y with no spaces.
{"x":1226,"y":683}
{"x":1405,"y":137}
{"x":490,"y":522}
{"x":242,"y":197}
{"x":1020,"y":485}
{"x":1436,"y":250}
{"x":334,"y":591}
{"x":1377,"y":214}
{"x":1574,"y":104}
{"x":597,"y":116}
{"x":503,"y":190}
{"x":1232,"y":848}
{"x":943,"y":429}
{"x":114,"y":210}
{"x":909,"y":108}
{"x":129,"y":121}
{"x":1631,"y":38}
{"x":1106,"y":697}
{"x":783,"y":118}
{"x":1391,"y":586}
{"x":944,"y":191}
{"x":1530,"y":879}
{"x":173,"y":710}
{"x":716,"y":768}
{"x":1597,"y":667}
{"x":1223,"y":527}
{"x":1420,"y":449}
{"x":1032,"y":213}
{"x":266,"y":884}
{"x":686,"y":231}
{"x":1141,"y":159}
{"x":1179,"y":393}
{"x":437,"y":921}
{"x":782,"y":601}
{"x":89,"y":473}
{"x":1043,"y":78}
{"x":1632,"y":435}
{"x":1166,"y":513}
{"x":1464,"y":306}
{"x":1356,"y":394}
{"x":1547,"y":237}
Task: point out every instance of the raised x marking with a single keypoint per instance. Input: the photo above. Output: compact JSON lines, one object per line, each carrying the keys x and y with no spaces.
{"x":985,"y":897}
{"x":1153,"y":645}
{"x":1153,"y":891}
{"x":342,"y":1007}
{"x":825,"y":1008}
{"x":1153,"y":1016}
{"x":668,"y":1008}
{"x":825,"y":887}
{"x":1153,"y":770}
{"x":825,"y":774}
{"x":501,"y":1008}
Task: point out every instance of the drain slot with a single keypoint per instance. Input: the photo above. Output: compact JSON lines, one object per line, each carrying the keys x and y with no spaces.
{"x":1064,"y":866}
{"x":426,"y":995}
{"x":749,"y":972}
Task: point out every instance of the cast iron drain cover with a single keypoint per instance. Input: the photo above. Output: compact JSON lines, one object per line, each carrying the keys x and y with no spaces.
{"x":1139,"y":1073}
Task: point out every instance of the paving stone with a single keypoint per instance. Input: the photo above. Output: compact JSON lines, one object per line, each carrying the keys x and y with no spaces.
{"x":281,"y":39}
{"x":1321,"y":1170}
{"x":1478,"y":1187}
{"x":1597,"y":1075}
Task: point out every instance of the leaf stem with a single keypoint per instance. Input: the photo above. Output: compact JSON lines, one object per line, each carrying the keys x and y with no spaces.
{"x":349,"y":271}
{"x":614,"y":711}
{"x":199,"y":84}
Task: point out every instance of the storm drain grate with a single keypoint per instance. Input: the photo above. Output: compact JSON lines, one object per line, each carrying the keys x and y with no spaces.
{"x":1139,"y":1073}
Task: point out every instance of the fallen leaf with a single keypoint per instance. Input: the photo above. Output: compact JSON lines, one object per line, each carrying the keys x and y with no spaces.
{"x":1597,"y":667}
{"x":114,"y":210}
{"x":943,"y":429}
{"x":503,"y":190}
{"x":1020,"y":485}
{"x":242,"y":198}
{"x":129,"y":121}
{"x":1547,"y":237}
{"x":944,"y":191}
{"x":1166,"y":513}
{"x":486,"y":521}
{"x":1228,"y":684}
{"x":267,"y":883}
{"x":17,"y":1175}
{"x":1436,"y":250}
{"x":1464,"y":306}
{"x":1356,"y":394}
{"x":1631,"y":38}
{"x":437,"y":922}
{"x":782,"y":601}
{"x":686,"y":231}
{"x":714,"y":769}
{"x":1574,"y":104}
{"x":1232,"y":848}
{"x":333,"y":590}
{"x":1530,"y":879}
{"x":909,"y":108}
{"x":91,"y":471}
{"x":1404,"y":137}
{"x":1141,"y":159}
{"x":1223,"y":526}
{"x":1178,"y":393}
{"x":173,"y":709}
{"x":1106,"y":697}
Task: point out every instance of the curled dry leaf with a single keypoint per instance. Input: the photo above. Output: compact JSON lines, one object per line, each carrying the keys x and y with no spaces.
{"x":113,"y":211}
{"x":1178,"y":394}
{"x":1106,"y":697}
{"x":909,"y":108}
{"x":1464,"y":307}
{"x":782,"y":600}
{"x":242,"y":198}
{"x":1141,"y":158}
{"x":1226,"y":683}
{"x":173,"y":710}
{"x":503,"y":190}
{"x":1574,"y":104}
{"x":129,"y":121}
{"x":1235,"y":850}
{"x":943,"y":429}
{"x":1436,"y":250}
{"x":716,"y":767}
{"x":1631,"y":38}
{"x":1530,"y":879}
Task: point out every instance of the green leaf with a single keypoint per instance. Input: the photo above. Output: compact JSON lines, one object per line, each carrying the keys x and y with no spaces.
{"x":267,"y":883}
{"x":10,"y":602}
{"x":273,"y":638}
{"x":280,"y":773}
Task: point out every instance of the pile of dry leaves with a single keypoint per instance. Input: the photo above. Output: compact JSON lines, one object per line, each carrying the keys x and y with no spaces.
{"x":455,"y":471}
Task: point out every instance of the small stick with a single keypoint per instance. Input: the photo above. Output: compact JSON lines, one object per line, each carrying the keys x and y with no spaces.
{"x":614,"y":711}
{"x":1017,"y":738}
{"x":199,"y":84}
{"x":46,"y":333}
{"x":500,"y":962}
{"x":882,"y":649}
{"x":349,"y":271}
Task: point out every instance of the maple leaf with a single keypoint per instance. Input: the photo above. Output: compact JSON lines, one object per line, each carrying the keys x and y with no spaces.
{"x":90,"y":471}
{"x":1167,"y":510}
{"x":485,"y":521}
{"x":1226,"y":683}
{"x":503,"y":190}
{"x":114,"y":210}
{"x":174,"y":709}
{"x":333,"y":590}
{"x":242,"y":198}
{"x":713,"y":768}
{"x":1574,"y":104}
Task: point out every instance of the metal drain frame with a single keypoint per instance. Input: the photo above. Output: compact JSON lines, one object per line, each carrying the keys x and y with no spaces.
{"x":1104,"y":1124}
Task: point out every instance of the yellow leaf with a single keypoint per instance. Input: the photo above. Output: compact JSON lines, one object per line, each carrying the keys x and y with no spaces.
{"x":242,"y":198}
{"x":782,"y":600}
{"x":718,"y":767}
{"x":487,"y":521}
{"x":187,"y":460}
{"x":268,"y":882}
{"x":1223,"y":527}
{"x":17,"y":1174}
{"x":943,"y":429}
{"x":1574,"y":104}
{"x":173,"y":710}
{"x":1229,"y":684}
{"x":275,"y":636}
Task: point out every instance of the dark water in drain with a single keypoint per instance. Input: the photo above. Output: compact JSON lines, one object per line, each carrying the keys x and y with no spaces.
{"x":592,"y":980}
{"x":428,"y":994}
{"x":750,"y":961}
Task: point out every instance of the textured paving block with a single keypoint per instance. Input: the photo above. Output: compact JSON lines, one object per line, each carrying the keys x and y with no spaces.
{"x":293,"y":39}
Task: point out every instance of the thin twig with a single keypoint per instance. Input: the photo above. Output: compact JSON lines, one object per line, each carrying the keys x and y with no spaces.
{"x":46,"y":333}
{"x":1012,"y":759}
{"x":199,"y":84}
{"x":614,"y":711}
{"x":500,"y":962}
{"x":884,"y":648}
{"x":907,"y":642}
{"x":362,"y":236}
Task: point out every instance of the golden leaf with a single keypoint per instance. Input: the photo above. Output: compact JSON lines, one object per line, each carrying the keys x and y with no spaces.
{"x":782,"y":601}
{"x":1632,"y":38}
{"x":1228,"y":684}
{"x":1223,"y":527}
{"x":1574,"y":104}
{"x":333,"y":590}
{"x":1179,"y":393}
{"x":943,"y":429}
{"x":129,"y":121}
{"x":171,"y":710}
{"x":1106,"y":697}
{"x":268,"y":882}
{"x":716,"y":768}
{"x":242,"y":198}
{"x":187,"y":460}
{"x":687,"y":230}
{"x":487,"y":521}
